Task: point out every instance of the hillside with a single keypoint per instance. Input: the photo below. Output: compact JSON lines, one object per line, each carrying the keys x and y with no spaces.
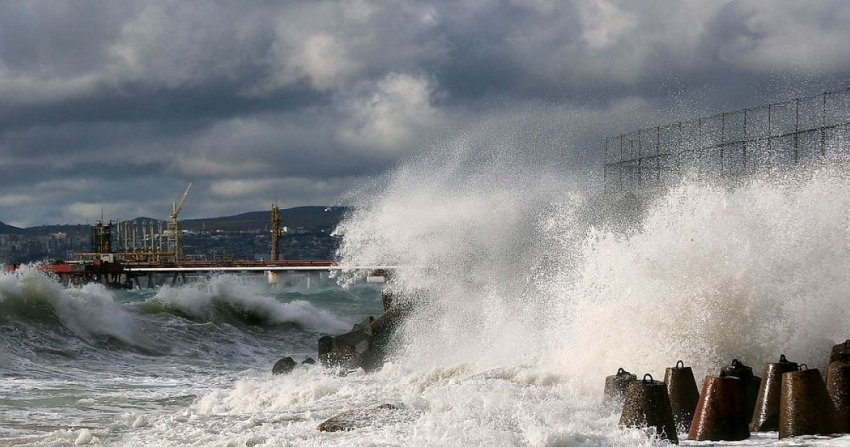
{"x":246,"y":236}
{"x":8,"y":229}
{"x":308,"y":217}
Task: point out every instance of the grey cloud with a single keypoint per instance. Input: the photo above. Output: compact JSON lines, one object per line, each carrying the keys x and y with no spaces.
{"x":129,"y":100}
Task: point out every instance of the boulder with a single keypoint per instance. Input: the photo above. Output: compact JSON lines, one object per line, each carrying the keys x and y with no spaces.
{"x":309,"y":361}
{"x":362,"y":417}
{"x":283,"y":366}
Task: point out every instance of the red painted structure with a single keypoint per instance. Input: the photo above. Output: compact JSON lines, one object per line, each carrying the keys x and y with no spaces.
{"x":123,"y":274}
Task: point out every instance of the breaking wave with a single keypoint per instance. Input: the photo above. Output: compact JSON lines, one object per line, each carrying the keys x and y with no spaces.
{"x":225,"y":315}
{"x":233,"y":299}
{"x":89,"y":312}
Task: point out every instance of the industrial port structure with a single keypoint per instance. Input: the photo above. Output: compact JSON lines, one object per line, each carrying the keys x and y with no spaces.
{"x":148,"y":253}
{"x":139,"y":240}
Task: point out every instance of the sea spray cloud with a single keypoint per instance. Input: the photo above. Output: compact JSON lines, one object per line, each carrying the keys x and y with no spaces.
{"x":714,"y":273}
{"x":508,"y":267}
{"x":464,"y":221}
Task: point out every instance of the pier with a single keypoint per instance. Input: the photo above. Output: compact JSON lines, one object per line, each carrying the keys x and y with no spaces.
{"x":152,"y":274}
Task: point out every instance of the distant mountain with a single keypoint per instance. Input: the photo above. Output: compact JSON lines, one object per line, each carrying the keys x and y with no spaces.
{"x":8,"y":229}
{"x":307,"y":217}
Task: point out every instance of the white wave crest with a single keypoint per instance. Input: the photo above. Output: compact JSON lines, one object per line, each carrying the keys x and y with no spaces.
{"x":250,"y":298}
{"x":87,"y":311}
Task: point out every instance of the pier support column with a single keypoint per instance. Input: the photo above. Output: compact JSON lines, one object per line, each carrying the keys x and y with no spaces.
{"x":272,"y":278}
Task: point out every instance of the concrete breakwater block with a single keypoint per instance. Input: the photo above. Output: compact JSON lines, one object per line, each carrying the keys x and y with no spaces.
{"x":721,"y":413}
{"x":839,"y":349}
{"x":381,"y":415}
{"x":365,"y":346}
{"x":752,"y":383}
{"x":684,"y":394}
{"x":805,"y":407}
{"x":838,"y":388}
{"x":766,"y":413}
{"x":616,"y":387}
{"x":647,"y":404}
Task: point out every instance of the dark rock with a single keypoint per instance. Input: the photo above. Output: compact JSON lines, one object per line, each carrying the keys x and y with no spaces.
{"x":283,"y":366}
{"x":363,"y":417}
{"x":309,"y":361}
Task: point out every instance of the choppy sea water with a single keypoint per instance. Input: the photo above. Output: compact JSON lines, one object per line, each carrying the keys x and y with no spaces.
{"x":92,"y":365}
{"x":525,"y":299}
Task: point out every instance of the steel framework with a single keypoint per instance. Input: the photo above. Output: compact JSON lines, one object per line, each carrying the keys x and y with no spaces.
{"x":802,"y":131}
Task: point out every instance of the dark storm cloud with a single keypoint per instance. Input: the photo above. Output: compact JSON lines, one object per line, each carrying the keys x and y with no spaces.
{"x":119,"y":104}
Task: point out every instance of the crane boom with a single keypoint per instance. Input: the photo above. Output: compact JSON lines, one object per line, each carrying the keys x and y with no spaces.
{"x":175,"y":233}
{"x":177,"y":206}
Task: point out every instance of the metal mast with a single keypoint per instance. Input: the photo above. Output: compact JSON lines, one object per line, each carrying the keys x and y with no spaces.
{"x":175,"y":234}
{"x":275,"y":233}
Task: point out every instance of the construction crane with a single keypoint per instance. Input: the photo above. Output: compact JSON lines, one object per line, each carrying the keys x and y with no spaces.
{"x":175,"y":234}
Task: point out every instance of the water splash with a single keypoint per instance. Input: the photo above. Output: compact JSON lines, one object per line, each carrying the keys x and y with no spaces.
{"x":715,"y":273}
{"x":511,"y":267}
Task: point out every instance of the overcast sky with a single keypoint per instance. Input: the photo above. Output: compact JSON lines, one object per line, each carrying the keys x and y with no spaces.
{"x":119,"y":104}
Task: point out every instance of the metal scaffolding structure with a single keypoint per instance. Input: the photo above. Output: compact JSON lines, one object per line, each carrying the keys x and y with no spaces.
{"x":802,"y":131}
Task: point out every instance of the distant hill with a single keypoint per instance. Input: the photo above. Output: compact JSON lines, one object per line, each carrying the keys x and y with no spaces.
{"x":8,"y":229}
{"x":308,"y":217}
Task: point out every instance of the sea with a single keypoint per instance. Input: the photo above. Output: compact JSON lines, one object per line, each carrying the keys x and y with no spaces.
{"x":525,"y":294}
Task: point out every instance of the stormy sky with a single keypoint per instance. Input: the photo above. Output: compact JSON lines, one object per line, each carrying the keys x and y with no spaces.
{"x":118,"y":105}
